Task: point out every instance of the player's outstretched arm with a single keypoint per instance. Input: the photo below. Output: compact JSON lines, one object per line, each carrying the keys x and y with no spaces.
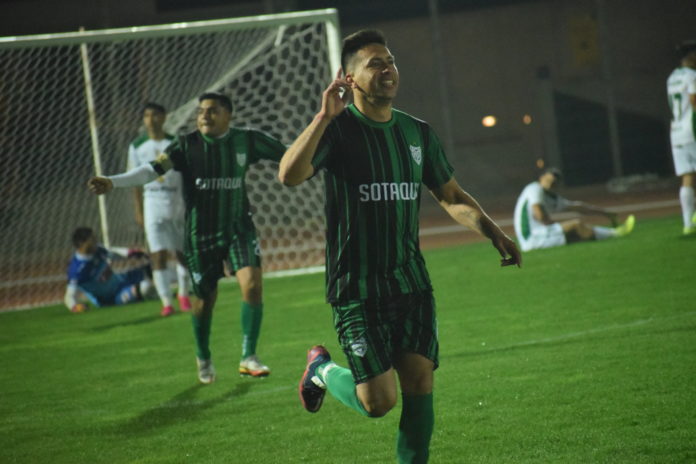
{"x":100,"y":185}
{"x":464,"y":209}
{"x":133,"y":178}
{"x":296,"y":164}
{"x":585,"y":208}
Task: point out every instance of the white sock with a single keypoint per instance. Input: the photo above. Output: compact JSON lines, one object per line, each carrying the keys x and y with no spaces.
{"x":161,"y":278}
{"x":686,"y":197}
{"x":602,"y":233}
{"x":146,"y":288}
{"x":183,"y":280}
{"x":323,"y":371}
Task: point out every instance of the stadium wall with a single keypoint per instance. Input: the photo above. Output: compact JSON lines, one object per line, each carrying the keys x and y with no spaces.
{"x":506,"y":61}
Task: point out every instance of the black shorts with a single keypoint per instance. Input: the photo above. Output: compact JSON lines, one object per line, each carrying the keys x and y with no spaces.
{"x":374,"y":333}
{"x":207,"y":267}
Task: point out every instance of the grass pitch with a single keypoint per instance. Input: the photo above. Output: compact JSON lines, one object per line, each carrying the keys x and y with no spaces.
{"x":585,"y":355}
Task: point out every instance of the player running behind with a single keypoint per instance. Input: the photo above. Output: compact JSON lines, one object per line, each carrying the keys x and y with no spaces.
{"x":376,"y":158}
{"x":536,"y":229}
{"x":90,"y":274}
{"x":159,"y":207}
{"x":681,"y":90}
{"x":213,"y":161}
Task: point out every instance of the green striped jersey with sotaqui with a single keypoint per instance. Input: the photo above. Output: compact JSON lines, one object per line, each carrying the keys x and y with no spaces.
{"x":373,"y":182}
{"x":213,"y":171}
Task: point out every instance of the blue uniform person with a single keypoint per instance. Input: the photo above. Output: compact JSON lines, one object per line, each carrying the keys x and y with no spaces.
{"x":90,"y":275}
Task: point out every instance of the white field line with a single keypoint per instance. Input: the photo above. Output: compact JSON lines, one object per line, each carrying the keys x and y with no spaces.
{"x":583,"y":333}
{"x":639,"y":322}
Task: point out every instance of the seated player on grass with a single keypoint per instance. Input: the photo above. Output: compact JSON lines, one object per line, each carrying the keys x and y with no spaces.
{"x":90,"y":275}
{"x":536,"y":229}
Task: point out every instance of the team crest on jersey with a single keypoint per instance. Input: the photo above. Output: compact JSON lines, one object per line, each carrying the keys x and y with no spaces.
{"x":416,"y":154}
{"x":196,"y":277}
{"x":359,"y":347}
{"x":241,"y":159}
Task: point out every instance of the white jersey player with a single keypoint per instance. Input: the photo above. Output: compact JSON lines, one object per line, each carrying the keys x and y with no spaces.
{"x":160,"y":209}
{"x":533,"y":224}
{"x":681,"y":93}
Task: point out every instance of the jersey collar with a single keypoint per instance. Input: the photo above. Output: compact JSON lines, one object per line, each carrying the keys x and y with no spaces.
{"x":215,"y":139}
{"x":380,"y":125}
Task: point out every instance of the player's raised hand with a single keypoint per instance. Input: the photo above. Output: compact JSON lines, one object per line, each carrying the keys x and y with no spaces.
{"x":332,"y":102}
{"x":507,"y":248}
{"x":99,"y":185}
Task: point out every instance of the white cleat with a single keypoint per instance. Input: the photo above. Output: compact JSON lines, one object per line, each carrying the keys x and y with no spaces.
{"x":206,"y":371}
{"x":252,"y":366}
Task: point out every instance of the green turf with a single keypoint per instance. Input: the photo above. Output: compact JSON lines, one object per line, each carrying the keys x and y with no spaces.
{"x":585,"y":355}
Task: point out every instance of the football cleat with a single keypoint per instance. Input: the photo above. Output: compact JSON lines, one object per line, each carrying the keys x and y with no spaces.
{"x":312,"y":388}
{"x":689,"y":230}
{"x":184,"y":303}
{"x":79,"y":308}
{"x":206,"y":371}
{"x":167,"y":311}
{"x":253,"y":367}
{"x":627,"y":227}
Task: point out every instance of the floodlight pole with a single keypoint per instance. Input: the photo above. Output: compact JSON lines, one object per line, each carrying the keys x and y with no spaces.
{"x":442,"y":76}
{"x":608,"y":78}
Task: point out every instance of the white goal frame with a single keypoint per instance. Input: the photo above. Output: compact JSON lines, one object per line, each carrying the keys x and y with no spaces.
{"x":33,"y":279}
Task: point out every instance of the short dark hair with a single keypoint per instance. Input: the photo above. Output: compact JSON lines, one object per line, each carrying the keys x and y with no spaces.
{"x":358,"y":40}
{"x":686,"y":47}
{"x":222,"y":99}
{"x":81,"y":235}
{"x":154,"y":107}
{"x":552,"y":170}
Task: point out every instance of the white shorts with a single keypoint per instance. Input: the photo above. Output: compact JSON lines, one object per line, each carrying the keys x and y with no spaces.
{"x":164,"y":227}
{"x":544,"y":237}
{"x":684,"y":158}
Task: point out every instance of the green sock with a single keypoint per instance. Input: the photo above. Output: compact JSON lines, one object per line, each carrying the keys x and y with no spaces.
{"x":201,"y":330}
{"x":415,"y":429}
{"x":251,"y":327}
{"x":339,"y":382}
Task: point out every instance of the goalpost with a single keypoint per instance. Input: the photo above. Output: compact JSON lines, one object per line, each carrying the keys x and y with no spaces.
{"x":71,"y":103}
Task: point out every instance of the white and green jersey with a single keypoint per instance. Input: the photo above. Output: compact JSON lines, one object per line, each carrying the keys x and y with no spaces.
{"x":166,"y":188}
{"x":680,"y":85}
{"x":534,"y":194}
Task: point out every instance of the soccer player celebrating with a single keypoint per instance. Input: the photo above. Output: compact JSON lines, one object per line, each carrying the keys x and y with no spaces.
{"x":536,"y":229}
{"x":376,"y":158}
{"x":681,"y":90}
{"x":90,"y":274}
{"x":160,"y":209}
{"x":213,"y":162}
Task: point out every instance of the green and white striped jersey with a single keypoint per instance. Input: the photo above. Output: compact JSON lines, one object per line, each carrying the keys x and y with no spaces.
{"x":213,"y":171}
{"x":373,"y":182}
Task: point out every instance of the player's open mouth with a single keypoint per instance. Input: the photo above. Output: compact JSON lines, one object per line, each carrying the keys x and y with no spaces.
{"x":388,"y":83}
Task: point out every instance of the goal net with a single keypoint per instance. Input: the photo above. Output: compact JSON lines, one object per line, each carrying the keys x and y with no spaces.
{"x":70,"y":104}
